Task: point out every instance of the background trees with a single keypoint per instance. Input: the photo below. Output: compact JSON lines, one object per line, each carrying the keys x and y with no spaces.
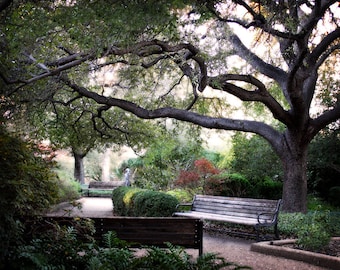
{"x":166,"y":44}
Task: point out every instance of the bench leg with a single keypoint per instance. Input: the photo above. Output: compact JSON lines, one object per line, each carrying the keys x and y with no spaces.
{"x":276,"y":232}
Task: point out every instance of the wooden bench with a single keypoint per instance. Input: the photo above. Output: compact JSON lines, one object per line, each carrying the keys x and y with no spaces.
{"x":145,"y":231}
{"x":100,"y":189}
{"x":245,"y":211}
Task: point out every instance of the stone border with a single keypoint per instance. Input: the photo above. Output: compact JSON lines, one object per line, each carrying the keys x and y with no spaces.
{"x":276,"y":248}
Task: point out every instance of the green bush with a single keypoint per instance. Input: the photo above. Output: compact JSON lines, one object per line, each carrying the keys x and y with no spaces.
{"x":182,"y":195}
{"x":289,"y":223}
{"x":69,"y":190}
{"x":269,"y":189}
{"x":334,"y":196}
{"x":314,"y":233}
{"x":313,"y":229}
{"x":28,"y":187}
{"x":129,"y":201}
{"x":227,"y":184}
{"x":122,"y":198}
{"x":154,"y":204}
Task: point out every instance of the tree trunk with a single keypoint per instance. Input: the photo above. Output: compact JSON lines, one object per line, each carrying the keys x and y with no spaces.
{"x":79,"y":174}
{"x":295,"y":180}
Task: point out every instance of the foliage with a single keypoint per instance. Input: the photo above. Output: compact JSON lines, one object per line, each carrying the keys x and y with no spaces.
{"x":197,"y":177}
{"x":122,"y":198}
{"x":54,"y":246}
{"x":159,"y":166}
{"x":48,"y":253}
{"x":167,"y":65}
{"x":268,"y":189}
{"x":154,"y":204}
{"x":228,"y":184}
{"x":69,"y":190}
{"x":182,"y":195}
{"x":313,"y":229}
{"x":334,"y":195}
{"x":323,"y":170}
{"x":129,"y":201}
{"x":314,"y":233}
{"x":28,"y":185}
{"x":255,"y":159}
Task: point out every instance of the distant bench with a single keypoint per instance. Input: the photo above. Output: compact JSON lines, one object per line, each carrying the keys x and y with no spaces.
{"x":252,"y":212}
{"x":143,"y":231}
{"x":100,"y":189}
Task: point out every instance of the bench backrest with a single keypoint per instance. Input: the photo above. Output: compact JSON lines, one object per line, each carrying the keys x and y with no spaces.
{"x":105,"y":185}
{"x":156,"y":231}
{"x":140,"y":231}
{"x":237,"y":207}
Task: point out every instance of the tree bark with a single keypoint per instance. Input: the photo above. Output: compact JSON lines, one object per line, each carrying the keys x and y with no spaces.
{"x":294,"y":192}
{"x":79,"y":173}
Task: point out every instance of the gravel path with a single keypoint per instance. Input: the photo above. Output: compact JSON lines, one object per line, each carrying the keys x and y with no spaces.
{"x":232,"y":249}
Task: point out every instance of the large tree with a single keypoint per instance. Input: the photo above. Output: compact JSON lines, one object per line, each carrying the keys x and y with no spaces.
{"x":154,"y":46}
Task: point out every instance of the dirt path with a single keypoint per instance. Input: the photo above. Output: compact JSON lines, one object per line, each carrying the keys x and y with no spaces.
{"x":232,"y":249}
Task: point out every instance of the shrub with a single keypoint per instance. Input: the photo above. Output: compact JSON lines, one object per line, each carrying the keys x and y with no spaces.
{"x":269,"y":189}
{"x":334,"y":196}
{"x":313,"y":229}
{"x":154,"y":204}
{"x":289,"y":223}
{"x":28,"y":186}
{"x":182,"y":195}
{"x":122,"y":198}
{"x":314,"y":233}
{"x":227,"y":184}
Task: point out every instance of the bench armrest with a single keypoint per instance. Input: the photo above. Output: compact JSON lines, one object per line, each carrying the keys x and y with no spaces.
{"x":179,"y":206}
{"x":270,"y":218}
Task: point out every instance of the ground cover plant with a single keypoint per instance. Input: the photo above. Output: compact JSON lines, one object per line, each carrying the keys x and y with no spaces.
{"x":64,"y":248}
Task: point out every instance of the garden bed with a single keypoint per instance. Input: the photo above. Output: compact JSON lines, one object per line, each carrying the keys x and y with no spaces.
{"x":328,"y":257}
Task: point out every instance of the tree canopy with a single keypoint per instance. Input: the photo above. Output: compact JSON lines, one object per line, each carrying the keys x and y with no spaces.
{"x":182,"y":60}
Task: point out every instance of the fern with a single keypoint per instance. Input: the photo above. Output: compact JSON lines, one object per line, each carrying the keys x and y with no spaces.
{"x":112,"y":241}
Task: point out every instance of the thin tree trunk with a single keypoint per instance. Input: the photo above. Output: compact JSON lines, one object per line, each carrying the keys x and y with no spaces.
{"x":79,"y":173}
{"x":106,"y":168}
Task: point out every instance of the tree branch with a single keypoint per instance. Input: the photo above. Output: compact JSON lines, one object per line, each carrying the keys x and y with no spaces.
{"x":260,"y":94}
{"x":257,"y":63}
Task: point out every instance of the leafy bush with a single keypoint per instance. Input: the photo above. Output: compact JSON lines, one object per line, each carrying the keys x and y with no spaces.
{"x":154,"y":204}
{"x":129,"y":201}
{"x":227,"y":184}
{"x":334,"y":196}
{"x":182,"y":195}
{"x":289,"y":223}
{"x":313,"y":229}
{"x":269,"y":189}
{"x":314,"y":233}
{"x":28,"y":186}
{"x":69,"y":190}
{"x":122,"y":198}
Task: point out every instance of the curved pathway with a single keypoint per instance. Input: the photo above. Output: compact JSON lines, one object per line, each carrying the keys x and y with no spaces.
{"x":232,"y":249}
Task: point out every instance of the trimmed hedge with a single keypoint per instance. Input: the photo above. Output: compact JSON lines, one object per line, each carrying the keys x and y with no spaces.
{"x":154,"y":204}
{"x":129,"y":201}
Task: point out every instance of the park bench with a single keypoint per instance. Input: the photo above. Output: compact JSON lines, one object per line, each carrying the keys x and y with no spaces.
{"x":100,"y":189}
{"x":245,"y":211}
{"x":144,"y":231}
